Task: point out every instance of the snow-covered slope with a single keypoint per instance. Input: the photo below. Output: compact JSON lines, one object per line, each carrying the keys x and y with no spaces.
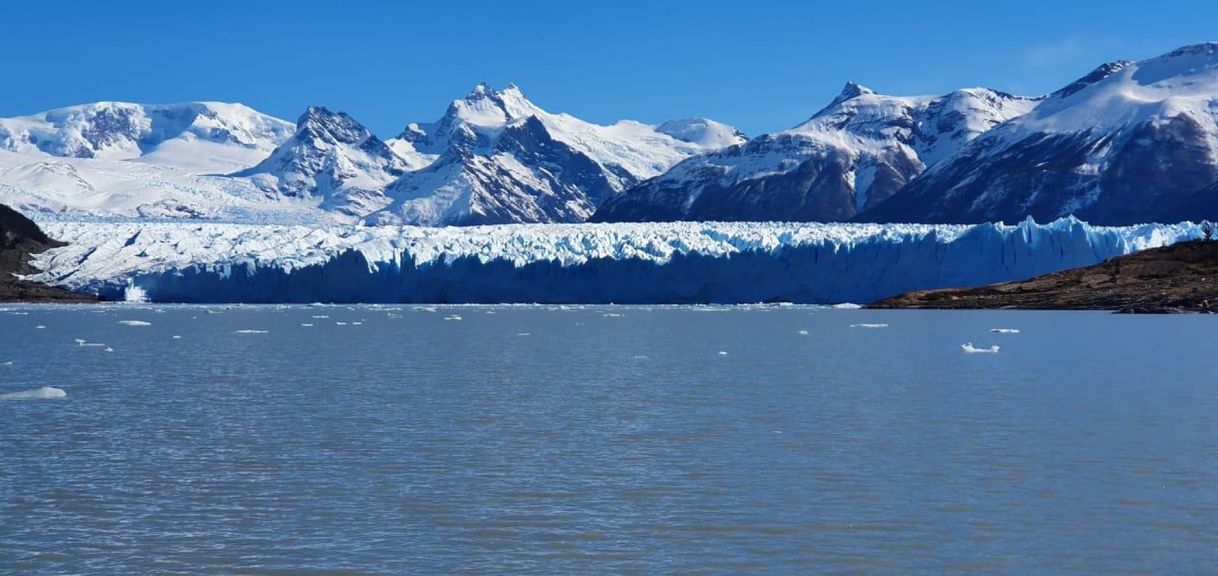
{"x":847,"y":158}
{"x":202,"y":136}
{"x":646,"y":263}
{"x":501,"y":158}
{"x":332,"y":160}
{"x":1129,"y":142}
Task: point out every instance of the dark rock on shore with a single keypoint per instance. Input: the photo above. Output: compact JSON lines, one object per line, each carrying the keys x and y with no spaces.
{"x":1173,"y":279}
{"x":20,"y":240}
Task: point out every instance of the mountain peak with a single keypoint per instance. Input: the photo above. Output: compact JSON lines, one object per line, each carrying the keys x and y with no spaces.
{"x":1202,"y":49}
{"x":853,"y":90}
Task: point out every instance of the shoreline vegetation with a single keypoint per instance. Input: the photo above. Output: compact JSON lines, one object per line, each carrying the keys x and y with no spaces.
{"x":1180,"y":278}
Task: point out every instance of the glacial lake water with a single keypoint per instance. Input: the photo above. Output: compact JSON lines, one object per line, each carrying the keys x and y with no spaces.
{"x":334,"y":439}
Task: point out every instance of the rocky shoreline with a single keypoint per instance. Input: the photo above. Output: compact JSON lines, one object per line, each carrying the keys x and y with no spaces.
{"x":1179,"y":278}
{"x":20,"y":240}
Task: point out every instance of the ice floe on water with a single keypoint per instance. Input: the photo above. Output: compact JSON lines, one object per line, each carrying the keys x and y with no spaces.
{"x":44,"y":393}
{"x":40,"y":327}
{"x":524,"y":333}
{"x":452,"y":317}
{"x":803,"y":332}
{"x":176,"y":337}
{"x":306,"y":324}
{"x":8,"y":363}
{"x":134,"y":323}
{"x":869,"y":325}
{"x":970,"y":349}
{"x":1005,"y":330}
{"x":249,"y":331}
{"x":723,"y":352}
{"x":847,"y":306}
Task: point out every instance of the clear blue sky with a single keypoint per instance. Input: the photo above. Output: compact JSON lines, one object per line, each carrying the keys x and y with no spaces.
{"x":759,"y":65}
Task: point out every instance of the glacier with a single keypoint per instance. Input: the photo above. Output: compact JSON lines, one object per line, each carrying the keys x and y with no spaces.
{"x":677,"y":262}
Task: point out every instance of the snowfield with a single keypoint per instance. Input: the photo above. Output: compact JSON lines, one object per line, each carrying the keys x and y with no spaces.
{"x":680,"y":262}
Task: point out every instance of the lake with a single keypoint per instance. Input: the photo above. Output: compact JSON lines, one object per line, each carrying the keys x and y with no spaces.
{"x":546,"y":439}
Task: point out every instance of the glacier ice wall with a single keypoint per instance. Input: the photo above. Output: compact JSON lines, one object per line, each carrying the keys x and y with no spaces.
{"x":680,"y":262}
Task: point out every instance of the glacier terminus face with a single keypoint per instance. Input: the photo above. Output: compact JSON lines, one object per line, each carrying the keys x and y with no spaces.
{"x":677,"y":262}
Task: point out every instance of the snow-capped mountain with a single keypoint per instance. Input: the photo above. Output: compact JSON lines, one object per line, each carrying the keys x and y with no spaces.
{"x":855,"y":153}
{"x":500,"y":158}
{"x":1129,"y":142}
{"x":333,"y":160}
{"x":202,"y":136}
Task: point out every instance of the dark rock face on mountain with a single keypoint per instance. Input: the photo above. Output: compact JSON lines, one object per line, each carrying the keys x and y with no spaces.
{"x":849,"y":157}
{"x":1178,"y":278}
{"x":20,"y":239}
{"x":1131,"y":142}
{"x":499,"y":158}
{"x":333,"y":158}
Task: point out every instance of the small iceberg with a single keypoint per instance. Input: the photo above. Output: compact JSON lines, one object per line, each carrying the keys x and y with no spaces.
{"x":868,"y":325}
{"x":247,"y":331}
{"x":1005,"y":330}
{"x":970,"y":349}
{"x":803,"y":332}
{"x":723,"y":352}
{"x":847,"y":306}
{"x":40,"y":327}
{"x":134,"y":323}
{"x":453,"y":317}
{"x":44,"y":393}
{"x":306,"y":324}
{"x":524,"y":333}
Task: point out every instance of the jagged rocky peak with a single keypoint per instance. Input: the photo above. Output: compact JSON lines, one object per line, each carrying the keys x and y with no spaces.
{"x":321,"y":125}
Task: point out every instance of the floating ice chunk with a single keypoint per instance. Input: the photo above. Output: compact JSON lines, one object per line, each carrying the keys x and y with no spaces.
{"x":321,"y":317}
{"x":357,"y":323}
{"x":109,"y":349}
{"x":865,"y":325}
{"x":248,"y":331}
{"x":970,"y":349}
{"x":44,"y":393}
{"x":847,"y":306}
{"x":723,"y":353}
{"x":306,"y":324}
{"x":803,"y":332}
{"x":40,"y":327}
{"x":134,"y":323}
{"x":612,"y":315}
{"x":452,"y":317}
{"x":9,"y":363}
{"x":524,"y":333}
{"x":176,"y":337}
{"x":340,"y":323}
{"x":1005,"y":330}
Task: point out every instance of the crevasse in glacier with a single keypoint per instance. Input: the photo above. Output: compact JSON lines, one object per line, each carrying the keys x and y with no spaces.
{"x":679,"y":262}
